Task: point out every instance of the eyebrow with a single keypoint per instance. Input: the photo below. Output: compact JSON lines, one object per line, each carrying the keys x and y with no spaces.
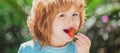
{"x":76,"y":12}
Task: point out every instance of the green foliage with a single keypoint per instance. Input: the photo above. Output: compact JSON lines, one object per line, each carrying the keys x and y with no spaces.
{"x":104,"y":36}
{"x":13,"y":27}
{"x":91,"y":6}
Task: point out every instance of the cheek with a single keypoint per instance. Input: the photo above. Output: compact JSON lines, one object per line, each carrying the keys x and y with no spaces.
{"x":78,"y":22}
{"x":58,"y":24}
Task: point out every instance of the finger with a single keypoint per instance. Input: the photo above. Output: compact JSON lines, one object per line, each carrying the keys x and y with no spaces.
{"x":82,"y":38}
{"x":80,"y":42}
{"x":85,"y":38}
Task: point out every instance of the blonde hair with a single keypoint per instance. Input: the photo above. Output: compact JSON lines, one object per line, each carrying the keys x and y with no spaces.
{"x":42,"y":15}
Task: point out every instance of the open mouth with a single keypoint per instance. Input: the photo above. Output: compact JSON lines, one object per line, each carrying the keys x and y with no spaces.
{"x":66,"y":30}
{"x":71,"y":31}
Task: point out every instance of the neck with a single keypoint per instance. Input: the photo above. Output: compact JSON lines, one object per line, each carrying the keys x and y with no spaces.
{"x":55,"y":42}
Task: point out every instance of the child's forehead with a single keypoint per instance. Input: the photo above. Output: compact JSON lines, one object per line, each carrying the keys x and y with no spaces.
{"x":72,"y":8}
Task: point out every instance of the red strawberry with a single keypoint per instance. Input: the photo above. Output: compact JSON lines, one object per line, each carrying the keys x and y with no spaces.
{"x":71,"y":32}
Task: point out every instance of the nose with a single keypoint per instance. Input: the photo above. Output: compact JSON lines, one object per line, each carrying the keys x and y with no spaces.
{"x":71,"y":22}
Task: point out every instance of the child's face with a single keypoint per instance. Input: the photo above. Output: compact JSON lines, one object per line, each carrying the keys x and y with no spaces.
{"x":65,"y":20}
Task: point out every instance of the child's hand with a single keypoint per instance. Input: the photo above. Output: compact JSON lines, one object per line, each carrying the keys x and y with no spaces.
{"x":83,"y":43}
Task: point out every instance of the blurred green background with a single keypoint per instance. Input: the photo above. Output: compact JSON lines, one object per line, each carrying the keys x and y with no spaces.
{"x":102,"y":25}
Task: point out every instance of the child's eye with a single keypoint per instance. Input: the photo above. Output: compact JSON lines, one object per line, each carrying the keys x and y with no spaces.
{"x":75,"y":14}
{"x":62,"y":15}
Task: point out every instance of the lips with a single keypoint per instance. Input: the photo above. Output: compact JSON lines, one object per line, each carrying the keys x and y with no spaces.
{"x":71,"y":31}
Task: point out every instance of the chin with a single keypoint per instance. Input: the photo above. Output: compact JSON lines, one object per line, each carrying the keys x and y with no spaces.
{"x":68,"y":39}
